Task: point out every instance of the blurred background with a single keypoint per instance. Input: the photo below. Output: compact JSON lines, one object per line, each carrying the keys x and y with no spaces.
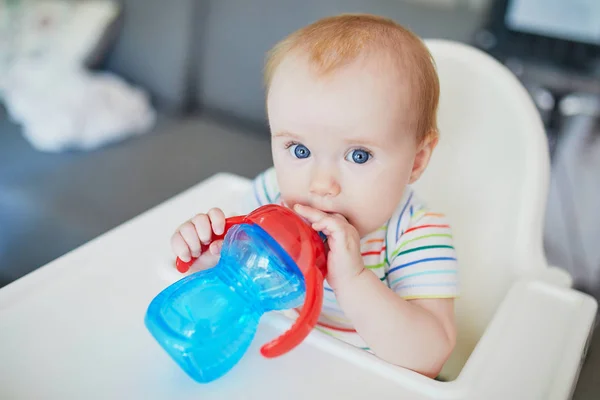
{"x":111,"y":107}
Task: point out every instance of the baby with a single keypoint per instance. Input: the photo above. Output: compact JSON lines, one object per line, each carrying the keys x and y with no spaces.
{"x":352,"y":103}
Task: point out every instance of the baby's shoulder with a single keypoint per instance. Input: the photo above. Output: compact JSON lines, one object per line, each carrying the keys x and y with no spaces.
{"x":265,"y":188}
{"x":414,"y":218}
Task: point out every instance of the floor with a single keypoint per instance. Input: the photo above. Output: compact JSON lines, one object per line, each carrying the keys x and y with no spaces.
{"x":572,"y":221}
{"x":572,"y":234}
{"x":588,"y":386}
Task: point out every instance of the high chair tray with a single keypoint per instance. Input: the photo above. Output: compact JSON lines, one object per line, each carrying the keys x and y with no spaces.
{"x":74,"y":329}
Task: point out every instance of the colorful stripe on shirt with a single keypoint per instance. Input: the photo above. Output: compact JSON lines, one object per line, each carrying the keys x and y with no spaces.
{"x":424,"y":262}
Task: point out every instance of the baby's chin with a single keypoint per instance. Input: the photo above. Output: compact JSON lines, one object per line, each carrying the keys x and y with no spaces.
{"x":367,"y":226}
{"x":364,"y":230}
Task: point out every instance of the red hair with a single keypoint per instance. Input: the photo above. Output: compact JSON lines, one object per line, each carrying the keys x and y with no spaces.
{"x":333,"y":42}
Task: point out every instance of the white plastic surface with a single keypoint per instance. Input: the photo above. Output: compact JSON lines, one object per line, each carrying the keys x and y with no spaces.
{"x":489,"y":174}
{"x":74,"y":328}
{"x":534,"y":346}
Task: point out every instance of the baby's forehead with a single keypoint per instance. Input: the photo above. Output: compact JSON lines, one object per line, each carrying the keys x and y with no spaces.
{"x":341,"y":106}
{"x":393,"y":79}
{"x":396,"y":71}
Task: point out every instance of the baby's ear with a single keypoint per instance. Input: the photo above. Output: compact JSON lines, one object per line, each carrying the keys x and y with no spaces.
{"x":424,"y":152}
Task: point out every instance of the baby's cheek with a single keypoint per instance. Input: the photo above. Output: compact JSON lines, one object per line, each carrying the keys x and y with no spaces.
{"x":290,"y":183}
{"x":375,"y":206}
{"x":290,"y":196}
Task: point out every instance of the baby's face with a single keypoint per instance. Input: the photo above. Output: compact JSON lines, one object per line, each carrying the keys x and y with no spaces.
{"x":341,"y":143}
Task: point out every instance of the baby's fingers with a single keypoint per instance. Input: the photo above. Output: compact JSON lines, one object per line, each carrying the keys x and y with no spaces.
{"x":203,"y":228}
{"x":328,"y":226}
{"x":180,"y":247}
{"x":311,"y":214}
{"x":217,"y":220}
{"x":189,"y":233}
{"x":215,"y":247}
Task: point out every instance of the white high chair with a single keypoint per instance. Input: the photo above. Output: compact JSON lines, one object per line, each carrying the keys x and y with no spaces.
{"x":516,"y":316}
{"x":73,"y":329}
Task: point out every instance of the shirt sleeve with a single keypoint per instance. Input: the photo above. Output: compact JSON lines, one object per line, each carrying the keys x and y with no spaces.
{"x":264,"y":191}
{"x":423,"y":262}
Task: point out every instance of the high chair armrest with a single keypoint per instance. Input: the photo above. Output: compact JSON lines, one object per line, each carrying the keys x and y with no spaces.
{"x":553,"y":275}
{"x":557,"y":276}
{"x":534,"y":346}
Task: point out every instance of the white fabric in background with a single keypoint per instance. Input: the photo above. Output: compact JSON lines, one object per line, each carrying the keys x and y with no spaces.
{"x":75,"y":109}
{"x":45,"y":86}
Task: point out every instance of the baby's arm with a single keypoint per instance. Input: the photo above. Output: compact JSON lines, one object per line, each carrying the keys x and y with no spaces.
{"x":416,"y":334}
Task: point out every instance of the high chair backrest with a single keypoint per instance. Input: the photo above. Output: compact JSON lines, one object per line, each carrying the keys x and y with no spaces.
{"x":489,"y":175}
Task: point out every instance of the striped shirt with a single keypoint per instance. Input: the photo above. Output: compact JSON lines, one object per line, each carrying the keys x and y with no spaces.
{"x":412,"y":253}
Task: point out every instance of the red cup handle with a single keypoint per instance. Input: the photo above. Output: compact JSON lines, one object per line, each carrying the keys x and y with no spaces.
{"x":306,"y":320}
{"x":184,"y":266}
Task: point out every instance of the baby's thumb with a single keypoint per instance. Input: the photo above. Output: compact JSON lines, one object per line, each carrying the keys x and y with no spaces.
{"x":215,"y":247}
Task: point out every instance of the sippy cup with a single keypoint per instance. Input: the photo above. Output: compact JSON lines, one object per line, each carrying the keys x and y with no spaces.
{"x":271,"y":259}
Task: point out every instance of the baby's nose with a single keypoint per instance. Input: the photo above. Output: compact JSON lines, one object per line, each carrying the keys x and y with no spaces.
{"x":324,"y":183}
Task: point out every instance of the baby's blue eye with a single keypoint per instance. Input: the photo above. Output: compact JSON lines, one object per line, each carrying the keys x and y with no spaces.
{"x":300,"y":151}
{"x":358,"y":156}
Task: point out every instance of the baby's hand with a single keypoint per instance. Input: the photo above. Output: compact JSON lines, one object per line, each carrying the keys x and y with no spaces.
{"x":187,"y":241}
{"x":344,"y":260}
